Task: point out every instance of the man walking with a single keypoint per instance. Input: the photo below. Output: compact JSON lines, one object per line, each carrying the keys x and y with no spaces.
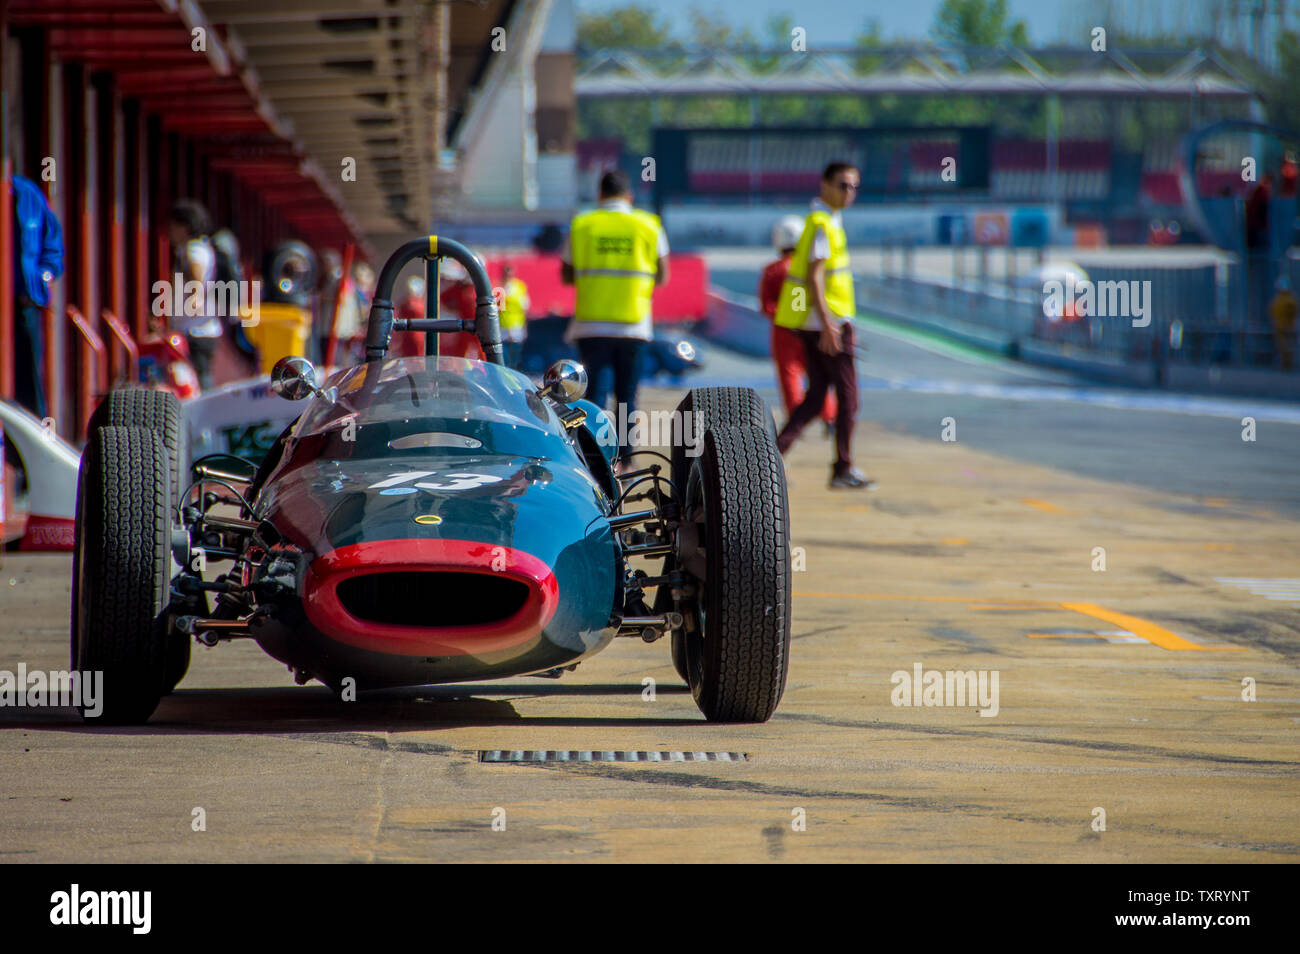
{"x":787,"y":346}
{"x":817,"y":301}
{"x":615,"y":257}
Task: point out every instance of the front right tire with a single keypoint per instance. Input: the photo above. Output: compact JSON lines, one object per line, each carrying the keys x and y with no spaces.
{"x":737,"y":658}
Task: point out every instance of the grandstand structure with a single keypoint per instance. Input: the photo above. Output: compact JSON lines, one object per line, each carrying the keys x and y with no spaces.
{"x":787,"y":162}
{"x":912,"y":70}
{"x":1088,"y":172}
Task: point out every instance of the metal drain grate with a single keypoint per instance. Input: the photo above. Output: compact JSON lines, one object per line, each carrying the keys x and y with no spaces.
{"x":554,"y":755}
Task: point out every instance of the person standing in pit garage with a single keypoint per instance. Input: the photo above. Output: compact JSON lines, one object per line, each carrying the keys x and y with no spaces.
{"x":615,"y":256}
{"x":38,"y":260}
{"x":787,"y":346}
{"x":194,"y":260}
{"x":514,"y":316}
{"x":817,"y":302}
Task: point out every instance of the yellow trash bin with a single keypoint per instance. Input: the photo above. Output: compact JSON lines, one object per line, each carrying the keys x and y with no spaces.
{"x":278,"y":329}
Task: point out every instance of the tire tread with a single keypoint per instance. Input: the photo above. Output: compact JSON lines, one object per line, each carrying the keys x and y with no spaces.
{"x":126,"y":522}
{"x":161,"y":412}
{"x":747,"y":638}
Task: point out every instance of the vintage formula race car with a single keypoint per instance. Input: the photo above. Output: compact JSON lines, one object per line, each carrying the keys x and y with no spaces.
{"x":432,"y":520}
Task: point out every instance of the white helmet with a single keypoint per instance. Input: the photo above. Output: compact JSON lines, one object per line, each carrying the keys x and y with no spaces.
{"x":786,"y":232}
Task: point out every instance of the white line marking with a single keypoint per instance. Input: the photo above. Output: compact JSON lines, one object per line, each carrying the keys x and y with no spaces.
{"x":1284,"y":590}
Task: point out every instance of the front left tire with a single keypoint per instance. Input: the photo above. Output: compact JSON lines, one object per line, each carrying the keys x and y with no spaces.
{"x":122,"y":572}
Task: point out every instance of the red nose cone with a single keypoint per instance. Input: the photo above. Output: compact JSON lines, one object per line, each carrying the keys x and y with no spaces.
{"x":430,"y":597}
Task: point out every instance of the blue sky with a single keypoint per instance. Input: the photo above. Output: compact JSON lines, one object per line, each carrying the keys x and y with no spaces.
{"x":837,"y":21}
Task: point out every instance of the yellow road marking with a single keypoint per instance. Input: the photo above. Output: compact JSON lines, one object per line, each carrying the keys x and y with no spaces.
{"x":916,"y":599}
{"x":1152,"y":633}
{"x":1042,"y":505}
{"x":954,"y":541}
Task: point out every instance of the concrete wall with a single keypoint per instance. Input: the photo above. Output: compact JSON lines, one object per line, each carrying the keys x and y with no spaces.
{"x":717,"y":224}
{"x":501,"y":168}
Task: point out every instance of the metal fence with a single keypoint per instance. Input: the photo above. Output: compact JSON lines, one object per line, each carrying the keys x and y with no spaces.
{"x":1215,"y":314}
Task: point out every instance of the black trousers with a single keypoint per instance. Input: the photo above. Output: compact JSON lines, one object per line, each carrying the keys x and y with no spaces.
{"x":826,"y":371}
{"x":619,"y":356}
{"x":202,"y":351}
{"x":29,"y":358}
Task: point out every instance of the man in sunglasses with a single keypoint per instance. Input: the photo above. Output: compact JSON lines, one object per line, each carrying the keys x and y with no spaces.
{"x":817,"y":302}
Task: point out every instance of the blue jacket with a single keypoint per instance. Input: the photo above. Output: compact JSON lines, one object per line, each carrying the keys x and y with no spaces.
{"x":38,"y":245}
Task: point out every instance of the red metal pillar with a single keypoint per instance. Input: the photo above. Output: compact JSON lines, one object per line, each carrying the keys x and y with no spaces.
{"x":90,"y":349}
{"x":6,"y":279}
{"x":114,"y":164}
{"x":211,"y":191}
{"x":189,"y":172}
{"x":252,"y":224}
{"x":139,"y":296}
{"x":88,"y":285}
{"x":54,"y":147}
{"x":164,"y":192}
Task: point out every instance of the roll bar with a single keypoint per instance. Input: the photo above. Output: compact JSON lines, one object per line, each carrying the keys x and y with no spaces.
{"x":486,"y":324}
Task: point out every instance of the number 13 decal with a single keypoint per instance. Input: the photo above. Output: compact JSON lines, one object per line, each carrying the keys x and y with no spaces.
{"x":461,"y":482}
{"x":456,"y":481}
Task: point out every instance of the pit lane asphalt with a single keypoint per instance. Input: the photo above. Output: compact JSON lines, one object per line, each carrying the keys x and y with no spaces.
{"x":1120,"y":689}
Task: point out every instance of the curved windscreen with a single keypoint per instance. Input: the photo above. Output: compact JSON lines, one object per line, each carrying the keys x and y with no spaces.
{"x":427,"y":404}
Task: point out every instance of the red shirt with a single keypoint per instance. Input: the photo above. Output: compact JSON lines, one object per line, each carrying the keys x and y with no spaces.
{"x":769,"y":286}
{"x":1290,"y":177}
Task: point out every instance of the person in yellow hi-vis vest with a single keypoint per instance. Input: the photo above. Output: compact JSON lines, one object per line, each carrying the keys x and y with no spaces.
{"x":817,"y":301}
{"x":514,"y":316}
{"x":615,"y":256}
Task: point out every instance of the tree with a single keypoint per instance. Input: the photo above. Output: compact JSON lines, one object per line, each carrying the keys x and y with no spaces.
{"x":1282,"y":91}
{"x":629,"y":27}
{"x":716,"y":33}
{"x":977,"y":23}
